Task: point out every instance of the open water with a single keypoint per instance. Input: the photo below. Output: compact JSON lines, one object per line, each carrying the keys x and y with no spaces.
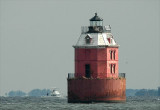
{"x":52,"y":103}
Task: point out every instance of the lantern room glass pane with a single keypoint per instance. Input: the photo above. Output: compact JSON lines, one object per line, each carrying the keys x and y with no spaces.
{"x":101,"y":23}
{"x":91,"y":23}
{"x":96,"y":23}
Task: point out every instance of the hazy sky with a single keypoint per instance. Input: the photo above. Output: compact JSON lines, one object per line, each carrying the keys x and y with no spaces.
{"x":36,"y":38}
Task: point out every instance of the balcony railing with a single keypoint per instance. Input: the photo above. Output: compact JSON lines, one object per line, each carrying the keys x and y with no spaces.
{"x":71,"y":75}
{"x":122,"y":75}
{"x":87,"y":29}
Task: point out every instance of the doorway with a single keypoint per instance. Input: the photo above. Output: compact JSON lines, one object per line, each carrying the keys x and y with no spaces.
{"x":87,"y":71}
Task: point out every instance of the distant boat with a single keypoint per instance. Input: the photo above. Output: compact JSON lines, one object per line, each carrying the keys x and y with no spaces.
{"x":55,"y":93}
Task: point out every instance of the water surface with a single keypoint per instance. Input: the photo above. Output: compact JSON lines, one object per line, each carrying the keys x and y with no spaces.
{"x":52,"y":103}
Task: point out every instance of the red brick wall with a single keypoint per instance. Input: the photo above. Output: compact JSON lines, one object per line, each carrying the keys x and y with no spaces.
{"x":99,"y":60}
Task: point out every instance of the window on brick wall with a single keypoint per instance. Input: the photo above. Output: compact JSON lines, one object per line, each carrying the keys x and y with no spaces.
{"x":110,"y":68}
{"x":114,"y":52}
{"x":111,"y":54}
{"x":114,"y":68}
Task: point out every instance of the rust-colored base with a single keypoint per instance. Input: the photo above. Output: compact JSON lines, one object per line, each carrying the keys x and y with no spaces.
{"x":96,"y":90}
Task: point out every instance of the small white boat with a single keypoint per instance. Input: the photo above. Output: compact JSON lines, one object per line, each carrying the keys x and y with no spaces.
{"x":55,"y":93}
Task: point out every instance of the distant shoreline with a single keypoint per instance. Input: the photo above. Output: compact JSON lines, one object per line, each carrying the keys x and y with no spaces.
{"x":44,"y":92}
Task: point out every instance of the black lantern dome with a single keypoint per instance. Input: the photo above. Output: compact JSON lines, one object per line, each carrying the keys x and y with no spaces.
{"x":96,"y":21}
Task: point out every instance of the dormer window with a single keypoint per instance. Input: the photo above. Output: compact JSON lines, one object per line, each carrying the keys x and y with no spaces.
{"x":88,"y":39}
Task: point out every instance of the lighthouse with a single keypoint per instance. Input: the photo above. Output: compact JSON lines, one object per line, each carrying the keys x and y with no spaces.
{"x":96,"y":77}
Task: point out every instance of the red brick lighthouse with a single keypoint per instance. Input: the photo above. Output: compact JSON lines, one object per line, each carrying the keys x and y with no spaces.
{"x":96,"y":77}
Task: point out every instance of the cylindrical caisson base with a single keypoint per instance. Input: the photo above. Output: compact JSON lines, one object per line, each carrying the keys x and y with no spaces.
{"x":96,"y":90}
